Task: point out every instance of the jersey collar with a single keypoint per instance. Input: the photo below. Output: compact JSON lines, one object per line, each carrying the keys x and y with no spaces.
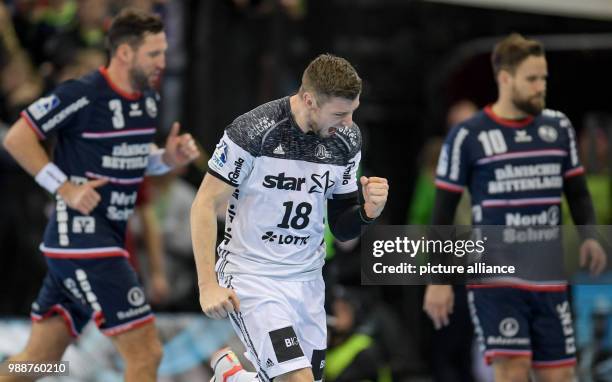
{"x":131,"y":96}
{"x":515,"y":123}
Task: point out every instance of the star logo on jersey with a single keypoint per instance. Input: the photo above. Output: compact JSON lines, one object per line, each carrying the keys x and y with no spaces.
{"x":322,"y":183}
{"x":269,"y":236}
{"x":521,"y":136}
{"x":548,"y":133}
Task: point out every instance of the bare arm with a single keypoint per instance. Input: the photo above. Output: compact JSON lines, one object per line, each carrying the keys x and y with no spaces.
{"x":23,"y":144}
{"x":216,"y":301}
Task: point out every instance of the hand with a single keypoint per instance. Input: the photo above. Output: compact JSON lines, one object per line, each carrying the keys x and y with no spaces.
{"x":375,"y":191}
{"x":217,"y":302}
{"x":83,"y":198}
{"x":592,"y":250}
{"x":180,"y":149}
{"x":158,"y":288}
{"x":438,"y":304}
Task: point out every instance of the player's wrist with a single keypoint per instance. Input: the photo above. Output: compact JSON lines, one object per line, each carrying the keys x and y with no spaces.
{"x":51,"y":178}
{"x":159,"y":162}
{"x":365,"y":216}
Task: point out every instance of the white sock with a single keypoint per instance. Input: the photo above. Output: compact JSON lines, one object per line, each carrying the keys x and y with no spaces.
{"x":224,"y":361}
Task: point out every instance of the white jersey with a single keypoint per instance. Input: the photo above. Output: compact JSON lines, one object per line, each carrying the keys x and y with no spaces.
{"x":283,"y":178}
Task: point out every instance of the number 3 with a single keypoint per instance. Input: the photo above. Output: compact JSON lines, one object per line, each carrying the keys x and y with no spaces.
{"x":118,"y":120}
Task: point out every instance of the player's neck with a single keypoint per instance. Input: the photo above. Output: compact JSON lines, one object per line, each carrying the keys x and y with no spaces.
{"x":299,"y":113}
{"x":120,"y":78}
{"x":506,"y":110}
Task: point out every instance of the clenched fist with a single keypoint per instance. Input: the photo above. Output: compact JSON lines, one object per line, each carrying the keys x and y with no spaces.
{"x":217,"y":302}
{"x":375,"y":191}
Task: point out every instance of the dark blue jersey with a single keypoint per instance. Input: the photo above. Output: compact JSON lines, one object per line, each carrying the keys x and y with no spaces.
{"x":514,"y":170}
{"x":101,"y":132}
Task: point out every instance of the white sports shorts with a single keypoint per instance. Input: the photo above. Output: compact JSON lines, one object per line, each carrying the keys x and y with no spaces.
{"x":282,"y":323}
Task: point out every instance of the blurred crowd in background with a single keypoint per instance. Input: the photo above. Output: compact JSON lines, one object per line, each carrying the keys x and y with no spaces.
{"x":425,"y":68}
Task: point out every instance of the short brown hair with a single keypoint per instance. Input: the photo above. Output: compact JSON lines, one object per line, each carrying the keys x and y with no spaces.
{"x":512,"y":50}
{"x":331,"y":76}
{"x":130,"y":26}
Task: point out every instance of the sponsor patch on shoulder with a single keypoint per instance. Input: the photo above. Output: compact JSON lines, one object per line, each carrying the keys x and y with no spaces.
{"x":43,"y":106}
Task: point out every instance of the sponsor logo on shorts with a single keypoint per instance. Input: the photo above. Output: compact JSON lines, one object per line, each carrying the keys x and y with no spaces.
{"x":565,"y":318}
{"x":136,"y":296}
{"x":90,"y":296}
{"x":285,"y":344}
{"x":133,"y":312}
{"x":318,"y":364}
{"x":509,"y":327}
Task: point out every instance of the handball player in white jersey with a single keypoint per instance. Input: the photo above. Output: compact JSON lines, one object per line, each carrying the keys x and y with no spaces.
{"x":279,"y":168}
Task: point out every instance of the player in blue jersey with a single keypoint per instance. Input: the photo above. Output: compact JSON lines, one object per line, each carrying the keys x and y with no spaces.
{"x":516,"y":158}
{"x":104,"y":123}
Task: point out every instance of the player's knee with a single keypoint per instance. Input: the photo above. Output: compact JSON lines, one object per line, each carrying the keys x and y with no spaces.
{"x":301,"y":375}
{"x":564,"y":374}
{"x":39,"y":352}
{"x":512,"y":369}
{"x":147,"y":356}
{"x":154,"y":353}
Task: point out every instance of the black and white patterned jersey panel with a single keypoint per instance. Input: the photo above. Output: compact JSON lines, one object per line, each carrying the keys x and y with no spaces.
{"x":275,"y":218}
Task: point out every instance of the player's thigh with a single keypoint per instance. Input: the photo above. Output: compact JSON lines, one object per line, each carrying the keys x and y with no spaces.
{"x":511,"y":369}
{"x":555,"y":374}
{"x":140,"y":345}
{"x":301,"y":375}
{"x":553,"y":340}
{"x":267,"y":324}
{"x":312,"y":327}
{"x":48,"y":340}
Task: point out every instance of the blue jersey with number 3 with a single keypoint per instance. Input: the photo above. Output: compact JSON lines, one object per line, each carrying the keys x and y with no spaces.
{"x":101,"y":132}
